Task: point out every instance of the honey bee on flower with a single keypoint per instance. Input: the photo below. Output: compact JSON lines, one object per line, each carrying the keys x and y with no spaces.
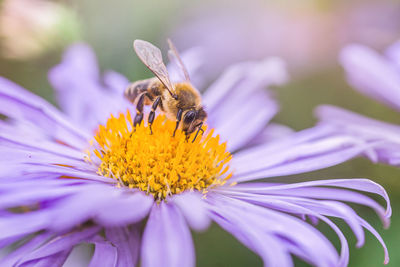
{"x":176,"y":100}
{"x":136,"y":196}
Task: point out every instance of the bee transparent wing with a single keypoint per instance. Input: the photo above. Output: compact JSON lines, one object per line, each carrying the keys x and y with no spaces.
{"x":173,"y":53}
{"x":151,"y":56}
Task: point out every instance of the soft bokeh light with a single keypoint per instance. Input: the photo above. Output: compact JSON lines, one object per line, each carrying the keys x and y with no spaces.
{"x":30,"y":27}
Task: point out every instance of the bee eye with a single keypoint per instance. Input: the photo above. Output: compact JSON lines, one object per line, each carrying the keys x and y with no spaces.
{"x":190,"y":116}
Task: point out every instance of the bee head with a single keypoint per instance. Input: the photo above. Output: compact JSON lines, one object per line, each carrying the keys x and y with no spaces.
{"x":192,"y":119}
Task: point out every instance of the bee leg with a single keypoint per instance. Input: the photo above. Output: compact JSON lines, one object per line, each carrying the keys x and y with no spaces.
{"x":178,"y":120}
{"x":152,"y":112}
{"x":198,"y":130}
{"x":139,"y":110}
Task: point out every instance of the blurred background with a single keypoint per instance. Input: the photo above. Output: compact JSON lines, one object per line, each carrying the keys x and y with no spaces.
{"x":307,"y":34}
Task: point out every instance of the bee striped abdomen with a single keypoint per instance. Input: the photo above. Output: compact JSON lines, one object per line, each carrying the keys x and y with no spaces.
{"x":135,"y":89}
{"x":151,"y":87}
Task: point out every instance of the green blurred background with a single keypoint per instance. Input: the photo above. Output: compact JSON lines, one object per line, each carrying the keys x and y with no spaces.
{"x":307,"y":34}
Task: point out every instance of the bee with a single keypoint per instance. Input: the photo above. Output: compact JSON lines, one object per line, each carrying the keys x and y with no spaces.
{"x":180,"y":101}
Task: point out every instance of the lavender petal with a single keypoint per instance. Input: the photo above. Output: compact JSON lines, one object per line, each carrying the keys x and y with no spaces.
{"x":124,"y":209}
{"x":85,"y":99}
{"x":32,"y":244}
{"x":60,"y":244}
{"x":88,"y":202}
{"x":271,"y":133}
{"x":259,"y":75}
{"x":127,"y":243}
{"x":105,"y":254}
{"x":317,"y":208}
{"x":363,"y":185}
{"x":115,"y":82}
{"x":240,"y":126}
{"x":167,"y":239}
{"x":243,"y":81}
{"x":301,"y":190}
{"x":15,"y":227}
{"x":57,"y":259}
{"x":245,"y":217}
{"x":194,"y":210}
{"x":372,"y":74}
{"x":19,"y":104}
{"x":296,"y":154}
{"x":384,"y":137}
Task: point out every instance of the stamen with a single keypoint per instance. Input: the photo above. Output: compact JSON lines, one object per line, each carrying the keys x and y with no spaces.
{"x":159,"y":163}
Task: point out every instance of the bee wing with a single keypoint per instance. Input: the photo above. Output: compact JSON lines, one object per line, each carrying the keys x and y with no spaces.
{"x":151,"y":56}
{"x":173,"y":53}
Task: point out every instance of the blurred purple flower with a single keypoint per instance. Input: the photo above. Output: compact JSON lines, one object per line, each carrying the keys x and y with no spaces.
{"x":52,"y":199}
{"x":302,"y":33}
{"x":373,"y":23}
{"x":255,"y":29}
{"x":377,"y":76}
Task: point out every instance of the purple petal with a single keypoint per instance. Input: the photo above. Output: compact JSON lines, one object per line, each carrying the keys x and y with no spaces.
{"x":243,"y":81}
{"x":84,"y":97}
{"x":27,"y":144}
{"x":61,"y":243}
{"x":124,"y":209}
{"x":393,"y":53}
{"x":127,"y":242}
{"x":22,"y":128}
{"x":316,"y":208}
{"x":12,"y":258}
{"x":194,"y":210}
{"x":7,"y":241}
{"x":83,"y":205}
{"x":25,"y":156}
{"x":271,"y":133}
{"x":301,"y":190}
{"x":57,"y":259}
{"x":17,"y":103}
{"x":326,"y":208}
{"x":244,"y":217}
{"x":372,"y":74}
{"x":271,"y":249}
{"x":295,"y":154}
{"x":377,"y":236}
{"x":259,"y":75}
{"x":363,"y":185}
{"x":166,"y":239}
{"x":17,"y":185}
{"x":105,"y":254}
{"x":16,"y":227}
{"x":88,"y":202}
{"x":45,"y":171}
{"x":26,"y":193}
{"x":82,"y":58}
{"x":116,"y":82}
{"x":240,"y":126}
{"x":384,"y":137}
{"x":351,"y":121}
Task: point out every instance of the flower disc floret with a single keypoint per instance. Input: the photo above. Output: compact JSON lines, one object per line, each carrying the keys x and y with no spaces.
{"x":159,"y":163}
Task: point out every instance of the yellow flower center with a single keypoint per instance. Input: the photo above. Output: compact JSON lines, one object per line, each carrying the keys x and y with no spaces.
{"x":159,"y":163}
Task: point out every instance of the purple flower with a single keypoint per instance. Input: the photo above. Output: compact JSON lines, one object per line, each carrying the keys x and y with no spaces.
{"x":255,"y":29}
{"x":377,"y":76}
{"x":66,"y":181}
